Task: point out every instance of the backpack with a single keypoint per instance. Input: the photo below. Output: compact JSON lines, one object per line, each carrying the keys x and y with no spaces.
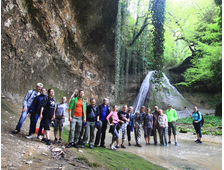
{"x":202,"y":119}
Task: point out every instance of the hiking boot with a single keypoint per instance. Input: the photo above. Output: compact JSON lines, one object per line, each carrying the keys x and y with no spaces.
{"x":175,"y":143}
{"x":200,"y":142}
{"x":75,"y":145}
{"x":82,"y":146}
{"x":60,"y":140}
{"x":44,"y":140}
{"x":90,"y":146}
{"x":117,"y":147}
{"x":169,"y":142}
{"x":56,"y":139}
{"x":15,"y":131}
{"x":30,"y":137}
{"x":123,"y":146}
{"x":103,"y":146}
{"x":196,"y":140}
{"x":48,"y":142}
{"x":39,"y":137}
{"x":69,"y":145}
{"x":139,"y":145}
{"x":155,"y":143}
{"x":129,"y":144}
{"x":95,"y":145}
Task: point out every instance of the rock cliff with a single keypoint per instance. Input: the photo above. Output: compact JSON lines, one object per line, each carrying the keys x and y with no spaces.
{"x":64,"y":44}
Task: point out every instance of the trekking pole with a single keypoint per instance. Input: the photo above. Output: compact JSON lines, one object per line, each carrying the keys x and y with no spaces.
{"x":188,"y":110}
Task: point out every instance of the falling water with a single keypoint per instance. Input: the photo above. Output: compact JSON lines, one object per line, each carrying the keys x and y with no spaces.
{"x":140,"y":99}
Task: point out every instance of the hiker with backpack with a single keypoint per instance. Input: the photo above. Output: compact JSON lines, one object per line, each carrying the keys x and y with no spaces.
{"x":59,"y":118}
{"x":197,"y":118}
{"x":27,"y":101}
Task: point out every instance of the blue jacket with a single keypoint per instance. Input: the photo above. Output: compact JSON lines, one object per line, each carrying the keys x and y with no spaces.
{"x":35,"y":107}
{"x":196,"y":116}
{"x":131,"y":123}
{"x":30,"y":96}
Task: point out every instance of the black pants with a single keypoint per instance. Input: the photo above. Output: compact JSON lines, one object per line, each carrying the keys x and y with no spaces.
{"x":197,"y":127}
{"x":101,"y":130}
{"x":129,"y":132}
{"x":41,"y":127}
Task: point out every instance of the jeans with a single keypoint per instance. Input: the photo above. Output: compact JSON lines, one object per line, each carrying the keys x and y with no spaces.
{"x":33,"y":121}
{"x":22,"y":119}
{"x":101,"y":130}
{"x":89,"y":128}
{"x":163,"y":134}
{"x":75,"y":129}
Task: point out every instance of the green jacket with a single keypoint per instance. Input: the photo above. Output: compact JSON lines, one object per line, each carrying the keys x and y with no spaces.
{"x":171,"y":115}
{"x":72,"y":106}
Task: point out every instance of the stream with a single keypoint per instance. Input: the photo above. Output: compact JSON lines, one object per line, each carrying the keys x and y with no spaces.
{"x":187,"y":155}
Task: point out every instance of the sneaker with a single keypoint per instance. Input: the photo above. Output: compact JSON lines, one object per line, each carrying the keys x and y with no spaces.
{"x":82,"y":146}
{"x":169,"y":142}
{"x":69,"y":145}
{"x":161,"y":144}
{"x":39,"y":137}
{"x":200,"y":142}
{"x":155,"y":143}
{"x":30,"y":137}
{"x":15,"y":131}
{"x":44,"y":140}
{"x":167,"y":145}
{"x":75,"y":145}
{"x":60,"y":140}
{"x":114,"y":148}
{"x":122,"y":146}
{"x":111,"y":146}
{"x":196,"y":140}
{"x":90,"y":146}
{"x":148,"y":143}
{"x":175,"y":143}
{"x":103,"y":146}
{"x":129,"y":144}
{"x":117,"y":147}
{"x":48,"y":142}
{"x":95,"y":145}
{"x":138,"y":145}
{"x":56,"y":139}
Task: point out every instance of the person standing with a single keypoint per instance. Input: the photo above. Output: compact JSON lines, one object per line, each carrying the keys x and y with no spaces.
{"x":172,"y":118}
{"x":77,"y":118}
{"x":35,"y":113}
{"x":196,"y":115}
{"x":163,"y":127}
{"x":60,"y":118}
{"x":113,"y":126}
{"x":138,"y":120}
{"x":155,"y":114}
{"x":27,"y":101}
{"x":92,"y":120}
{"x":130,"y":125}
{"x":124,"y":119}
{"x":148,"y":123}
{"x":47,"y":113}
{"x":103,"y":112}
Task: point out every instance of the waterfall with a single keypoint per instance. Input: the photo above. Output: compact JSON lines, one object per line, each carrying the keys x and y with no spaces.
{"x":140,"y":99}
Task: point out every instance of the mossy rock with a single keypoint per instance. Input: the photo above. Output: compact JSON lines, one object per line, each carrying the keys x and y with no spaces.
{"x":218,"y":132}
{"x":204,"y":132}
{"x":183,"y":130}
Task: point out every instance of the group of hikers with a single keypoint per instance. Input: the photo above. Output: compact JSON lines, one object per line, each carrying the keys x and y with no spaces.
{"x":85,"y":118}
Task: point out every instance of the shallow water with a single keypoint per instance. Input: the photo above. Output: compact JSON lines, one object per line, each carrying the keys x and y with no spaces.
{"x":187,"y":155}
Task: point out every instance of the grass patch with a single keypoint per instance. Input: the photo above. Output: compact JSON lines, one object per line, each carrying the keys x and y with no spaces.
{"x":212,"y":125}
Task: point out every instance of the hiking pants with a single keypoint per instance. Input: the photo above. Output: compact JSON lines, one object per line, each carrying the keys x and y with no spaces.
{"x":155,"y":129}
{"x":75,"y":128}
{"x":138,"y":132}
{"x":89,"y":128}
{"x":197,"y":127}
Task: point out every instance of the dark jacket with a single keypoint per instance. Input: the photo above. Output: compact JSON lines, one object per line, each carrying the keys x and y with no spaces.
{"x":89,"y":116}
{"x":35,"y":107}
{"x":100,"y":110}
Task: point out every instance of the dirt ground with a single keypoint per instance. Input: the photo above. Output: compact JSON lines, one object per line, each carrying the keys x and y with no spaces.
{"x":17,"y":152}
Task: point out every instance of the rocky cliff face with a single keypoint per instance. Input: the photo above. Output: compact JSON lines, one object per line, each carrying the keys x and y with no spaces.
{"x":64,"y":44}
